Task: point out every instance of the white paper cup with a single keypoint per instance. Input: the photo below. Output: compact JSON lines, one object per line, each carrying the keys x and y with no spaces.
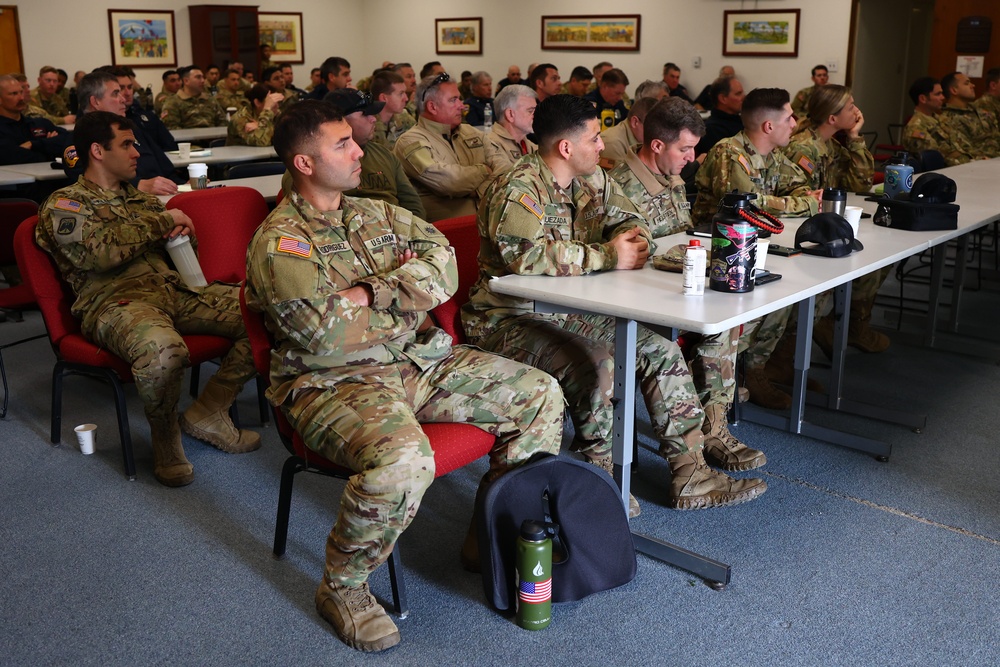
{"x":198,"y":175}
{"x":853,"y":215}
{"x":762,"y":246}
{"x":85,"y":434}
{"x":184,"y":150}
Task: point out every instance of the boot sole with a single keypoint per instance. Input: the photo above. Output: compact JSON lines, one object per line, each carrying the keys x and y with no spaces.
{"x":713,"y":500}
{"x":174,"y":482}
{"x":211,"y":439}
{"x":743,"y":466}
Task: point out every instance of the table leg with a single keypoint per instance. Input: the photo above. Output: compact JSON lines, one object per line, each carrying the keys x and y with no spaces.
{"x":937,"y":279}
{"x":958,"y":281}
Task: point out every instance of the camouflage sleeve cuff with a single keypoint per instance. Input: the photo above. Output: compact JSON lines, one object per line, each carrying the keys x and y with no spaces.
{"x":610,"y":257}
{"x":382,"y":296}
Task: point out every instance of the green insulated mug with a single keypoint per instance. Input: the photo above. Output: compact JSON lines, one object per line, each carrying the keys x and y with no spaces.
{"x":534,"y":576}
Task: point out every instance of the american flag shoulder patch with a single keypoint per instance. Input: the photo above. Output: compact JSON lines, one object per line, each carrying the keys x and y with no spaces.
{"x":294,"y":246}
{"x":68,"y":205}
{"x":533,"y":206}
{"x":743,"y":163}
{"x":806,"y":164}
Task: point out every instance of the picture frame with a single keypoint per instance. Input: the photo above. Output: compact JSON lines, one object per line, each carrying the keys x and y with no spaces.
{"x":143,"y":38}
{"x":765,"y":34}
{"x":591,"y":32}
{"x":283,"y":31}
{"x":459,"y":36}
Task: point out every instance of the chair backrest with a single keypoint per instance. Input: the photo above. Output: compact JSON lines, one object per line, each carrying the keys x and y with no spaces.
{"x":251,"y":169}
{"x":217,"y":143}
{"x":12,"y":213}
{"x":225,"y":220}
{"x":463,"y":235}
{"x":53,"y":295}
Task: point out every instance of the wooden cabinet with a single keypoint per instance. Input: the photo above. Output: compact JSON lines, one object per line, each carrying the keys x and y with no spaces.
{"x":221,"y":34}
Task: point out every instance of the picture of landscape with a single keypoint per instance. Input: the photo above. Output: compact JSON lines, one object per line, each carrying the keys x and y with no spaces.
{"x":770,"y":34}
{"x":760,"y":32}
{"x":599,"y":33}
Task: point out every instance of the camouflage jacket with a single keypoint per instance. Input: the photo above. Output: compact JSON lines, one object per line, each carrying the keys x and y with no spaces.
{"x":386,"y":134}
{"x":734,"y":163}
{"x":181,"y":111}
{"x":108,"y":245}
{"x":54,"y":105}
{"x":301,"y":257}
{"x":828,"y":164}
{"x":977,"y":126}
{"x":530,"y":226}
{"x":926,"y":133}
{"x":618,"y":140}
{"x":447,"y":167}
{"x":989,"y":103}
{"x":662,"y":200}
{"x":502,"y":151}
{"x":230,"y":100}
{"x":801,"y":101}
{"x":238,"y":135}
{"x":31,"y":111}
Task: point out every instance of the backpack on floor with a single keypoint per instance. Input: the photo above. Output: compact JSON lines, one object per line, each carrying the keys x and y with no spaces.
{"x":592,"y":550}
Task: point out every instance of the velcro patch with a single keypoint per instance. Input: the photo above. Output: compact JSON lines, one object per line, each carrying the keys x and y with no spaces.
{"x":474,"y":142}
{"x":340,"y":246}
{"x":806,"y":164}
{"x":70,"y":158}
{"x":530,"y":204}
{"x":743,"y":163}
{"x":68,"y":205}
{"x":66,"y":226}
{"x":295,"y":246}
{"x":379,"y":241}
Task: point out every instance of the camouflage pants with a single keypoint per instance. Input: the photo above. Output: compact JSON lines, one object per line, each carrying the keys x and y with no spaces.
{"x":712,"y":362}
{"x":371,"y":424}
{"x":579,"y":352}
{"x":147,"y":334}
{"x":761,"y":336}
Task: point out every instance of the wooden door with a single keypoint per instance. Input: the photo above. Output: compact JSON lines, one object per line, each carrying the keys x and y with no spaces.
{"x":11,"y":58}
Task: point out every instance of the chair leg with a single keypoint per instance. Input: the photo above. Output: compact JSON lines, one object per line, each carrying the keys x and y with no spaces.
{"x":292,"y":465}
{"x":57,"y":380}
{"x":6,"y":391}
{"x":399,"y":601}
{"x":195,"y":380}
{"x":262,"y":404}
{"x":124,"y":432}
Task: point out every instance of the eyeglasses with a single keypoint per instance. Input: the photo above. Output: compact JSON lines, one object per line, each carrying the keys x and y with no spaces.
{"x":439,"y":79}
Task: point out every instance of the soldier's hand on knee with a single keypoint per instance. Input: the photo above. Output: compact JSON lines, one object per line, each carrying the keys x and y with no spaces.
{"x":182,"y":223}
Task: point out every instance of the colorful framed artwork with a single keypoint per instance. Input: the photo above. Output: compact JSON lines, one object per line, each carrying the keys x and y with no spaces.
{"x":142,"y":38}
{"x":591,"y":32}
{"x":283,"y":31}
{"x":772,"y":34}
{"x":463,"y":36}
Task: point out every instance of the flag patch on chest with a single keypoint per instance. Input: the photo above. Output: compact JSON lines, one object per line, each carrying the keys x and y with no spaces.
{"x":530,"y":204}
{"x":294,"y":246}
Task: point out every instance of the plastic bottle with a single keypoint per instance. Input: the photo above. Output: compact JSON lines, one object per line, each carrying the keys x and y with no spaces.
{"x":695,"y":260}
{"x":487,"y":116}
{"x":534,"y":576}
{"x":185,"y":261}
{"x":898,"y":175}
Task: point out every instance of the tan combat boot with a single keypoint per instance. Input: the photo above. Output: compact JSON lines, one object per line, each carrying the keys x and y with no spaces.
{"x":695,"y":486}
{"x":780,"y":367}
{"x":208,"y":419}
{"x":861,"y":335}
{"x":722,"y":449}
{"x":763,"y":393}
{"x":606,"y":464}
{"x":356,"y":616}
{"x":170,"y":466}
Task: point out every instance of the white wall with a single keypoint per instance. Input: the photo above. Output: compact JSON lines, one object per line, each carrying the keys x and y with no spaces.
{"x":74,"y":35}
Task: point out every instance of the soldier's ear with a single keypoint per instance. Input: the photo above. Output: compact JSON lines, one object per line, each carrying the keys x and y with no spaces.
{"x":303,"y":163}
{"x":565,"y":148}
{"x":657,"y":146}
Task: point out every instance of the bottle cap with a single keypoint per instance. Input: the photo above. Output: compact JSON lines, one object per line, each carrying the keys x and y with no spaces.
{"x":533,"y":531}
{"x":694,"y":243}
{"x":178,"y":240}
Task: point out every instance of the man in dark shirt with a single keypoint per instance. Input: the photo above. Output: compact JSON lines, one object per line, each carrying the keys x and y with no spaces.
{"x":481,"y":84}
{"x":724,"y":122}
{"x":705,"y":101}
{"x":672,"y":77}
{"x":24,"y":139}
{"x":607,"y":97}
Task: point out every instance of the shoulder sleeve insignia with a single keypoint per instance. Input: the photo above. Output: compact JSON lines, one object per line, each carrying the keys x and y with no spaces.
{"x":806,"y":164}
{"x":66,"y":226}
{"x":294,"y":246}
{"x":68,"y":205}
{"x":70,"y":157}
{"x":743,"y":163}
{"x":530,"y":204}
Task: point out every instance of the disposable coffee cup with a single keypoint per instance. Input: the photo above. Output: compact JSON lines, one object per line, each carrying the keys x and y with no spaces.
{"x":198,"y":175}
{"x":762,"y":246}
{"x":184,"y":150}
{"x":853,"y":216}
{"x":85,"y":436}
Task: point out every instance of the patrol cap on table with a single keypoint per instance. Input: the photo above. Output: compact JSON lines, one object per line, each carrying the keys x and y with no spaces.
{"x":349,"y":100}
{"x":931,"y":188}
{"x":827,"y":235}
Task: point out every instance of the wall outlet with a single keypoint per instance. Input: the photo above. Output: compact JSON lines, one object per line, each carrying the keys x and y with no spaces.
{"x":833,"y":65}
{"x":696,"y":62}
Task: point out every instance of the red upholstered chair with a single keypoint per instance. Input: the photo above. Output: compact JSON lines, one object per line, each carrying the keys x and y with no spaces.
{"x":225,"y":220}
{"x":463,"y":236}
{"x":75,"y":355}
{"x":454,"y":445}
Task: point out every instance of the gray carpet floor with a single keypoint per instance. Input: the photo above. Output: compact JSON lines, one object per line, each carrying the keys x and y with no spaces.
{"x":844,"y":561}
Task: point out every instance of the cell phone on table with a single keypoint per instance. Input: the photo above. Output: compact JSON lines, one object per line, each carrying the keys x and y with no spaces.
{"x":764,"y":277}
{"x":782,"y":250}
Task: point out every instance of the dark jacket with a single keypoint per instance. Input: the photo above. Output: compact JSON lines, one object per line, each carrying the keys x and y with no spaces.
{"x":620,"y":110}
{"x":477,"y":107}
{"x":13,"y":133}
{"x":720,"y":125}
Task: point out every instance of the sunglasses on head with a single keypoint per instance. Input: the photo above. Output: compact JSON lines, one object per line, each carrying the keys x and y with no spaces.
{"x":439,"y":79}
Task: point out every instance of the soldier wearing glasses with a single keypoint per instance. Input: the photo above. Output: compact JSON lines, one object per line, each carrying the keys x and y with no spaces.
{"x":444,"y":159}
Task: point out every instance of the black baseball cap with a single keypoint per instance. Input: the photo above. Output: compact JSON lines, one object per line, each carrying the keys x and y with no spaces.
{"x":828,"y":235}
{"x":349,"y":100}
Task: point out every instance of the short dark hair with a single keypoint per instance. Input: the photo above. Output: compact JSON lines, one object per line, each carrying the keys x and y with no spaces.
{"x":668,"y":117}
{"x":166,"y":75}
{"x":92,"y":85}
{"x":818,"y":68}
{"x":269,"y":72}
{"x":314,"y":70}
{"x":426,"y":70}
{"x":670,"y":67}
{"x":383,"y":81}
{"x":213,"y":66}
{"x":992,"y":75}
{"x":581,"y":73}
{"x":400,"y":66}
{"x":947,"y":81}
{"x":720,"y":87}
{"x":97,"y":127}
{"x":761,"y":101}
{"x":299,"y":125}
{"x":614,"y":77}
{"x":538,"y":74}
{"x":185,"y":72}
{"x":560,"y":116}
{"x":922,"y":86}
{"x":332,"y":65}
{"x":259,"y":91}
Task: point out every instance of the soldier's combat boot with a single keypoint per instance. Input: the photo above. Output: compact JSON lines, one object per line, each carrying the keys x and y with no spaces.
{"x":170,"y":466}
{"x":208,"y":419}
{"x":861,"y":335}
{"x":356,"y":616}
{"x":606,"y":464}
{"x":722,"y":449}
{"x":763,"y":393}
{"x":695,"y":486}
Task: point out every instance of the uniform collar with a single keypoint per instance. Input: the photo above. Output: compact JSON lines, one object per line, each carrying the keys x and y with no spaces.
{"x":436,"y":127}
{"x":655,"y":184}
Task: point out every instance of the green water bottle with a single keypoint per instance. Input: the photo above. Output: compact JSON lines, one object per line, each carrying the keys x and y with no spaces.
{"x":534,"y":576}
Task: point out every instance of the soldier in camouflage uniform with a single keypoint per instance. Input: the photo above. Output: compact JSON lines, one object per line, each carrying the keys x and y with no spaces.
{"x":108,"y":240}
{"x":820,"y":77}
{"x":960,"y":117}
{"x":231,"y":95}
{"x":652,"y":182}
{"x":990,"y":99}
{"x":392,"y":121}
{"x":191,"y":106}
{"x":507,"y":141}
{"x":555,"y":213}
{"x":46,"y":98}
{"x":171,"y":84}
{"x":346,"y":285}
{"x":253,"y":125}
{"x":752,"y":162}
{"x":925,"y":132}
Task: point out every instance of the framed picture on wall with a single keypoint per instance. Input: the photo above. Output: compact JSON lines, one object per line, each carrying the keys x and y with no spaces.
{"x":284,"y":33}
{"x":142,"y":38}
{"x":459,"y":35}
{"x":772,"y":34}
{"x":591,"y":32}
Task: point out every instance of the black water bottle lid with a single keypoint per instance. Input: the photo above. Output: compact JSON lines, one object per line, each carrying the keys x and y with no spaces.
{"x":533,"y":531}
